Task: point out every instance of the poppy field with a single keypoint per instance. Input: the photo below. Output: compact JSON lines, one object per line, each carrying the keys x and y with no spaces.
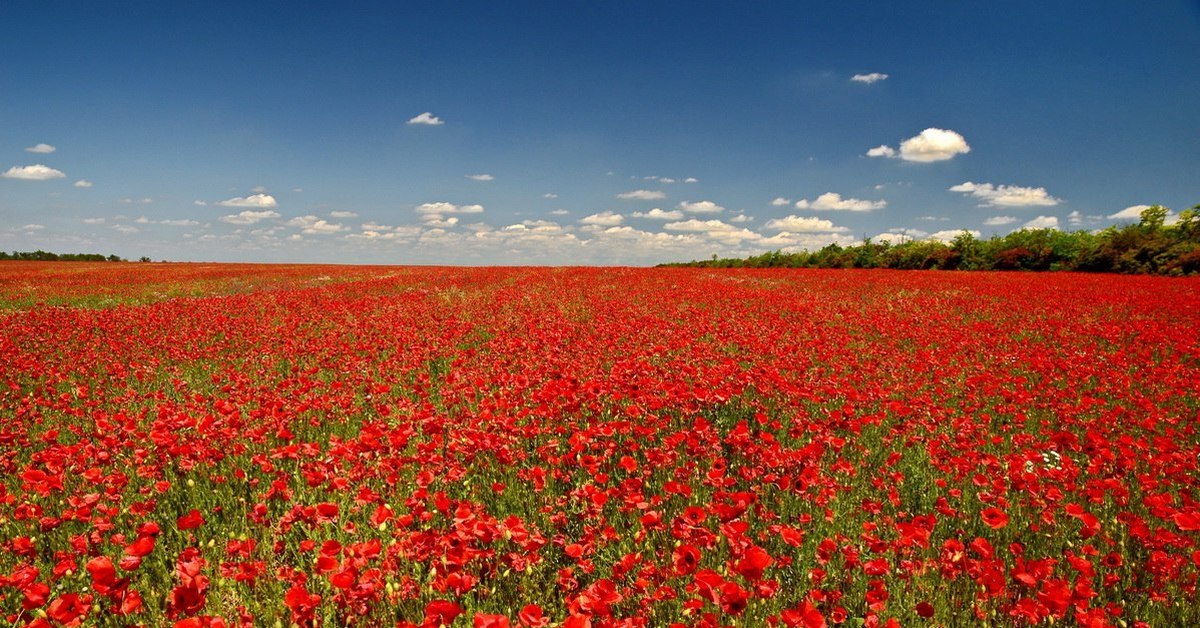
{"x":237,"y":445}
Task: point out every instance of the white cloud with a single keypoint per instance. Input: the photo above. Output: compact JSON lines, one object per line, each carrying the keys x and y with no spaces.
{"x":435,"y":211}
{"x":426,"y":118}
{"x":439,"y":222}
{"x":542,"y":226}
{"x":258,"y":189}
{"x":642,"y":195}
{"x":1133,"y":212}
{"x":869,"y":78}
{"x":249,"y":217}
{"x":658,"y":214}
{"x":780,"y":201}
{"x":691,"y":180}
{"x":199,"y":203}
{"x":481,"y":177}
{"x":699,"y":226}
{"x":83,"y":183}
{"x":930,"y":145}
{"x":342,"y":214}
{"x":559,"y":212}
{"x":999,"y":221}
{"x":714,"y":229}
{"x":550,"y":195}
{"x":933,"y":218}
{"x":142,"y":220}
{"x":603,"y":219}
{"x":125,"y":228}
{"x":933,"y":145}
{"x":93,"y":221}
{"x":1042,"y":222}
{"x":949,"y":234}
{"x":33,"y":227}
{"x":254,"y":200}
{"x":833,"y":201}
{"x":1006,"y":195}
{"x":36,"y":172}
{"x":311,"y":225}
{"x":806,"y":224}
{"x":182,"y":222}
{"x":741,"y":218}
{"x":41,"y":148}
{"x":701,"y":207}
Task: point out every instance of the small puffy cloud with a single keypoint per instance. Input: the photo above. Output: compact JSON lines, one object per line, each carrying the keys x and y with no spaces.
{"x":125,"y":228}
{"x":603,"y":219}
{"x":780,"y":202}
{"x":933,"y":218}
{"x":694,"y":225}
{"x":249,"y":217}
{"x":1006,"y":195}
{"x":426,"y":118}
{"x":832,"y":201}
{"x":806,"y":224}
{"x":933,"y":145}
{"x":438,"y":222}
{"x":41,"y":149}
{"x":873,"y":77}
{"x":691,"y":180}
{"x":999,"y":221}
{"x":701,"y":207}
{"x":1133,"y":212}
{"x":33,"y":227}
{"x":199,"y":203}
{"x":435,"y":211}
{"x":1042,"y":222}
{"x":741,"y":218}
{"x":142,"y":220}
{"x":36,"y":172}
{"x":481,"y":177}
{"x":182,"y":222}
{"x":342,"y":214}
{"x":949,"y":234}
{"x":83,"y":183}
{"x":930,"y":145}
{"x":93,"y":221}
{"x":714,"y":229}
{"x":254,"y":200}
{"x":642,"y":195}
{"x":542,"y":226}
{"x":550,"y":195}
{"x":658,"y":214}
{"x":559,"y":212}
{"x":311,"y":225}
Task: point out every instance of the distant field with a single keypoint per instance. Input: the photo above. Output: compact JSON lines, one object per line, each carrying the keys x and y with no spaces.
{"x":210,"y":444}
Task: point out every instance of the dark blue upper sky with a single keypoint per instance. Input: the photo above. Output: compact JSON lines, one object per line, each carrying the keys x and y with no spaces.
{"x":290,"y":132}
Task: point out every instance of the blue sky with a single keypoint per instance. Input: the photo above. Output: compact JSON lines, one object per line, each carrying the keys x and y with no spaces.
{"x":294,"y":132}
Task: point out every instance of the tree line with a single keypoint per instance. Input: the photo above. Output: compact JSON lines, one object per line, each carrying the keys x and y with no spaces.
{"x":1150,"y":246}
{"x":46,"y":256}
